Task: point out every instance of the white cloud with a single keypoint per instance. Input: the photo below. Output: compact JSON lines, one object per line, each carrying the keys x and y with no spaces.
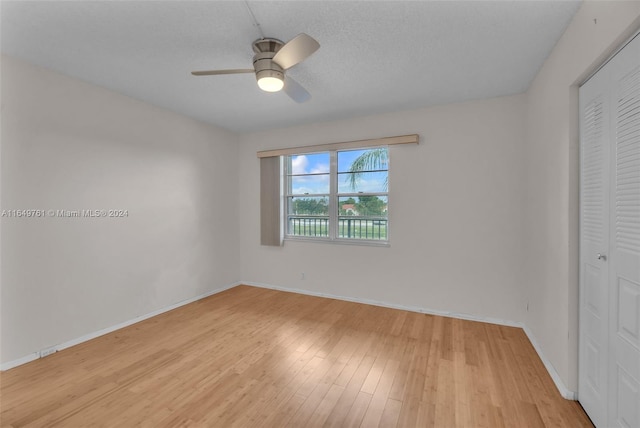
{"x":299,"y":164}
{"x":320,"y":168}
{"x":311,"y":184}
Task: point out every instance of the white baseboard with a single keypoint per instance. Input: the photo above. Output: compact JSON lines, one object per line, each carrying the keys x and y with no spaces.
{"x":562,"y":388}
{"x":388,"y":305}
{"x":20,"y":361}
{"x":35,"y":355}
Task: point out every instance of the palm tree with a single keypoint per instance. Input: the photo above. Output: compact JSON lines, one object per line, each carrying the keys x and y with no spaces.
{"x":369,"y":160}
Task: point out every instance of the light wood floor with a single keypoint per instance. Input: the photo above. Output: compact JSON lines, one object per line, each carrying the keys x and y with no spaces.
{"x":254,"y":357}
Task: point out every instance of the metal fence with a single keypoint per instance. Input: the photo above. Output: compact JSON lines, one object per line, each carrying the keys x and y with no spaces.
{"x":348,"y":227}
{"x":309,"y":226}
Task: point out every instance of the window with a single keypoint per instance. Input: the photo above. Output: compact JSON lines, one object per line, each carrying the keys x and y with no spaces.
{"x":338,"y":195}
{"x":313,"y":211}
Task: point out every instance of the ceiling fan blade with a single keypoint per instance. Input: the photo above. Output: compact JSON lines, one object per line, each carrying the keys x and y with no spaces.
{"x":216,"y":72}
{"x":296,"y":50}
{"x":295,"y":91}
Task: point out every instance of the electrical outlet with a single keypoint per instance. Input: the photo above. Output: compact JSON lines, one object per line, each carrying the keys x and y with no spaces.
{"x":527,"y":306}
{"x":302,"y":275}
{"x":48,"y":351}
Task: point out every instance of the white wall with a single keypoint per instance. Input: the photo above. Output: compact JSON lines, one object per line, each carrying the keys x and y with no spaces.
{"x":552,"y":177}
{"x":455,"y":213}
{"x":70,"y":145}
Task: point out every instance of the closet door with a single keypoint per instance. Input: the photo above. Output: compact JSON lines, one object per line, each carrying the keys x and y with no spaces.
{"x":624,"y":269}
{"x":609,"y":356}
{"x":594,"y":244}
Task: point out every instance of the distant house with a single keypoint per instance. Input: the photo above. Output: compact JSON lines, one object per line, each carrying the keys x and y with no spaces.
{"x":349,"y":209}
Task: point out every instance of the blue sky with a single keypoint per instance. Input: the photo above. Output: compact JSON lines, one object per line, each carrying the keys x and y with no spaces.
{"x":318,"y":163}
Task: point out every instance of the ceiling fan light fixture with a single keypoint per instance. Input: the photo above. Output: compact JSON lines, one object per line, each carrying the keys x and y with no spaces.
{"x":270,"y":84}
{"x":270,"y":80}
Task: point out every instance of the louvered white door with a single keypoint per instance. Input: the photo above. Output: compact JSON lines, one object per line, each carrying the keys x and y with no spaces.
{"x":609,"y":364}
{"x":624,"y":269}
{"x":594,"y":275}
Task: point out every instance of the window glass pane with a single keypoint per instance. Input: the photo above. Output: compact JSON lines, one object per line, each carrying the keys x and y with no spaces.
{"x":308,"y":226}
{"x":364,"y":217}
{"x":362,"y":228}
{"x":366,"y":182}
{"x":308,"y":216}
{"x":314,"y":163}
{"x":308,"y":206}
{"x":308,"y":184}
{"x":363,"y":160}
{"x":363,"y":206}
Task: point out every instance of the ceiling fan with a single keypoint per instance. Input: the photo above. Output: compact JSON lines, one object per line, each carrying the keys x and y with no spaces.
{"x":271,"y":60}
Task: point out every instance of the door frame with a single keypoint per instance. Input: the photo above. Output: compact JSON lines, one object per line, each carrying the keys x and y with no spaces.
{"x":574,"y":226}
{"x":579,"y":214}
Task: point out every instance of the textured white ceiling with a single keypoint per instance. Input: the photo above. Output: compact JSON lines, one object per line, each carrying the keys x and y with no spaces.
{"x":375,"y":56}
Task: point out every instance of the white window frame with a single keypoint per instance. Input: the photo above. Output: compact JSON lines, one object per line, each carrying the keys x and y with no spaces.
{"x":333,"y":196}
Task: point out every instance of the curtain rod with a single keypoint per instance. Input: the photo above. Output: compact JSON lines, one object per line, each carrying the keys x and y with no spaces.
{"x":386,"y":141}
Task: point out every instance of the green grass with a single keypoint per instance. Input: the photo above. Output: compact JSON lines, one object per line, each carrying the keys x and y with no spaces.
{"x":370,"y":229}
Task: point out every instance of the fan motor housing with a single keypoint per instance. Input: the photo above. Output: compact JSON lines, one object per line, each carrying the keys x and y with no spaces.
{"x":265,"y":66}
{"x":267,"y":45}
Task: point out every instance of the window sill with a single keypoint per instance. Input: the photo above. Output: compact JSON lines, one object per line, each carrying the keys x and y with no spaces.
{"x":358,"y":242}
